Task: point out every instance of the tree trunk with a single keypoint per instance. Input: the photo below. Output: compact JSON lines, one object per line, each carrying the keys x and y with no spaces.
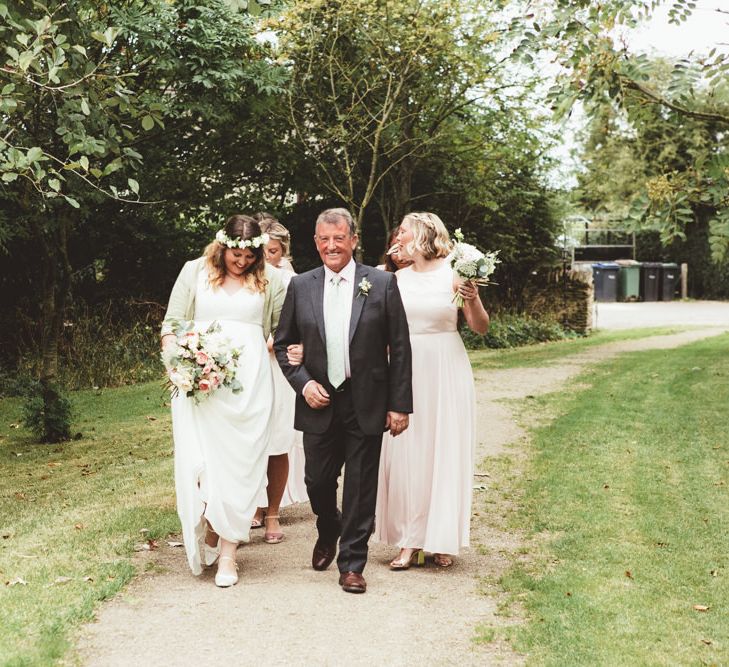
{"x":55,"y":284}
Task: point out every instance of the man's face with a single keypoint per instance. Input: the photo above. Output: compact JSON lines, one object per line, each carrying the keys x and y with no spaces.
{"x":335,"y":244}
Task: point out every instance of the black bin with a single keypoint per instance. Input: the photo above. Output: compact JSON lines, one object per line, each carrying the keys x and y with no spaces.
{"x":650,"y":280}
{"x":605,"y":278}
{"x":670,"y":275}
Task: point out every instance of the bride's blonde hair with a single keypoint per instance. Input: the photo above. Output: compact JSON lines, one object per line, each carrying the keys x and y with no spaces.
{"x":430,"y":236}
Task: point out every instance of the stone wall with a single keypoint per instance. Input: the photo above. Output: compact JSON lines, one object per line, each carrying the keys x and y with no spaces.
{"x":564,"y":296}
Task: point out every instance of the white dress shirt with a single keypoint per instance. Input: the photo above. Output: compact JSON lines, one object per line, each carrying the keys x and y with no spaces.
{"x":347,"y":286}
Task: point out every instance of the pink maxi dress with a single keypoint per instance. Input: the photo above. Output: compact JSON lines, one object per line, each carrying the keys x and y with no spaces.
{"x":426,"y":473}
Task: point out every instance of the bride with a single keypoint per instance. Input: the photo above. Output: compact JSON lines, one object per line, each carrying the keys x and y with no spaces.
{"x":221,"y":443}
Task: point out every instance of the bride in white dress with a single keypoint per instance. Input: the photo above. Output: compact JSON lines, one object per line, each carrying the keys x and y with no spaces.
{"x":221,"y":443}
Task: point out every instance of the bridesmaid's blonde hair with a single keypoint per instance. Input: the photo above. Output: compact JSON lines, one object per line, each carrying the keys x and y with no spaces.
{"x":276,"y":231}
{"x":430,"y":236}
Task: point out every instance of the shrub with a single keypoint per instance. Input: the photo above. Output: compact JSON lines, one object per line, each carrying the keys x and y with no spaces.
{"x":510,"y":330}
{"x":110,"y":346}
{"x":47,"y":412}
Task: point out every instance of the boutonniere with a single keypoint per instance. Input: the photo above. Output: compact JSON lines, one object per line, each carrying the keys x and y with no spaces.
{"x":364,"y":287}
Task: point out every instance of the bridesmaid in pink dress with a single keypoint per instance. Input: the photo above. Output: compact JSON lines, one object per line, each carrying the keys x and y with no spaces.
{"x":426,"y":473}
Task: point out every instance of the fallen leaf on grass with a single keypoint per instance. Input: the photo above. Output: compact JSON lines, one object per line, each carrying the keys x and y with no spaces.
{"x":14,"y":425}
{"x":17,"y":453}
{"x":628,"y":574}
{"x":175,"y":544}
{"x":713,"y":573}
{"x":151,"y":418}
{"x":701,"y":607}
{"x":708,"y":642}
{"x":78,"y":526}
{"x":19,"y":495}
{"x":144,"y":531}
{"x":16,"y":581}
{"x":88,"y":578}
{"x":61,"y":580}
{"x":54,"y":464}
{"x":149,"y":545}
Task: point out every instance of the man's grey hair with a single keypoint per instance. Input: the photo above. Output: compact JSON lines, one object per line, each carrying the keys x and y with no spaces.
{"x":335,"y":215}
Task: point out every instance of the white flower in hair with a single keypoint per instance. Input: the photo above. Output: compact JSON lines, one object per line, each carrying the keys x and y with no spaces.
{"x":256,"y":242}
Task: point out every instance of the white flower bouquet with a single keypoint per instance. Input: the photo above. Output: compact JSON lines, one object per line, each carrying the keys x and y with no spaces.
{"x":201,"y":362}
{"x":470,"y":264}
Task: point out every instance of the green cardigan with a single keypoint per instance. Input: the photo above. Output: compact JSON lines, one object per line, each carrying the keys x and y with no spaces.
{"x":182,"y":299}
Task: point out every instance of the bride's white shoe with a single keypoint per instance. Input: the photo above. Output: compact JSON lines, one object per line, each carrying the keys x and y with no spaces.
{"x":223,"y":579}
{"x":210,"y":554}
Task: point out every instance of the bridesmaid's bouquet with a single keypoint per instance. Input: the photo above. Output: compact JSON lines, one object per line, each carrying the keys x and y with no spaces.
{"x":470,"y":264}
{"x":201,"y":362}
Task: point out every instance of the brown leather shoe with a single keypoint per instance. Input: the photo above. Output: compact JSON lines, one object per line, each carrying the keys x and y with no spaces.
{"x":323,"y":555}
{"x":352,"y":582}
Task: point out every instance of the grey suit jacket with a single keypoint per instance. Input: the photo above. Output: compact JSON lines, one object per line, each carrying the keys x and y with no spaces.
{"x":379,"y":382}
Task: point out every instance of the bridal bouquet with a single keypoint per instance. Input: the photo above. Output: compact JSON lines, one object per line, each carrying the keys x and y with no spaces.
{"x":470,"y":264}
{"x":201,"y":362}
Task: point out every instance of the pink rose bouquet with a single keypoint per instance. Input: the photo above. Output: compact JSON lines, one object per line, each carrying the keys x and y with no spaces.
{"x":201,"y":362}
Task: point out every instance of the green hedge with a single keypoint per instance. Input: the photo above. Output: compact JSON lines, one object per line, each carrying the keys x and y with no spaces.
{"x":509,"y":330}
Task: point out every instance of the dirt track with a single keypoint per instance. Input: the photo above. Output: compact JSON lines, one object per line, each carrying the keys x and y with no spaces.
{"x":284,"y":613}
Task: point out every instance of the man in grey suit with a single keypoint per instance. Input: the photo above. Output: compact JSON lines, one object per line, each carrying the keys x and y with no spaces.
{"x":354,"y":383}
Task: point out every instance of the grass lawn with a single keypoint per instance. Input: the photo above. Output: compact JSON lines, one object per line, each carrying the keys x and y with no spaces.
{"x":626,"y":495}
{"x":544,"y":353}
{"x":71,"y":514}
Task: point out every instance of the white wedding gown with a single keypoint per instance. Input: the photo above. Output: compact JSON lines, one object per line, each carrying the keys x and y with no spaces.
{"x":221,"y":443}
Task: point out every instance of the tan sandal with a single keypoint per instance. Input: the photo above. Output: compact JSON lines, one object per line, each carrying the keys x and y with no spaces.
{"x":270,"y":537}
{"x":417,"y":557}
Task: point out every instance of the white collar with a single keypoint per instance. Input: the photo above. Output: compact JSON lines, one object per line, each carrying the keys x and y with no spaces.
{"x":347,"y":273}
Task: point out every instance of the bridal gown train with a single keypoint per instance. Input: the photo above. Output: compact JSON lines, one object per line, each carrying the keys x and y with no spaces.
{"x":221,"y":443}
{"x":426,"y":473}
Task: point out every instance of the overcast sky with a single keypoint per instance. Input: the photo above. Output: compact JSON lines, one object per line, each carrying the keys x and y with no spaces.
{"x":704,"y":30}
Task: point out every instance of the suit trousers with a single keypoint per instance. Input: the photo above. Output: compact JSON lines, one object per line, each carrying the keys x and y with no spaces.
{"x":343,"y":443}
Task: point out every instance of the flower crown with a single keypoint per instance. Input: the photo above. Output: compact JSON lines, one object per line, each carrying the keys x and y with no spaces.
{"x":255,"y":242}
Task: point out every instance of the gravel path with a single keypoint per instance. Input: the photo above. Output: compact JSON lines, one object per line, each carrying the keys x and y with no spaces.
{"x":284,"y":613}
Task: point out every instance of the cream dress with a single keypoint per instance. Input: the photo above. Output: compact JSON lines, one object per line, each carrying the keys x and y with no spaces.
{"x":222,"y":443}
{"x":426,"y":473}
{"x":284,"y":439}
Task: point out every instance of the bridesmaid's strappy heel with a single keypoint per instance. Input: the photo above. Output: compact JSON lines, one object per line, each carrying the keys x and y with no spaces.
{"x":224,"y":580}
{"x":272,"y":538}
{"x":416,"y":558}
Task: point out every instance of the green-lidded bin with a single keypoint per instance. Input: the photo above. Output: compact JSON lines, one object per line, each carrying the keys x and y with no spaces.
{"x":628,"y":280}
{"x":670,"y":277}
